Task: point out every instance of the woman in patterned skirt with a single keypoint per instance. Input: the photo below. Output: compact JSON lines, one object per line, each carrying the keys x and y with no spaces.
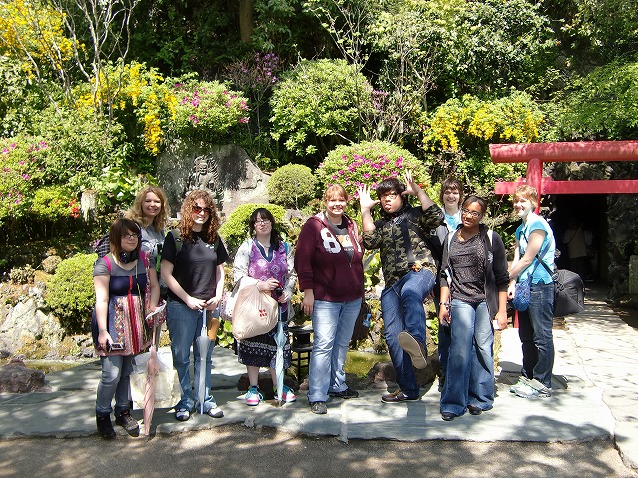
{"x":268,"y":260}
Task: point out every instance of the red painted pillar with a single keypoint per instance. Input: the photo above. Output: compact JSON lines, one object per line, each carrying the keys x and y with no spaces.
{"x":535,"y":178}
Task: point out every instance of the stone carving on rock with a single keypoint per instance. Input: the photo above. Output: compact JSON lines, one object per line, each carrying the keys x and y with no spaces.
{"x":206,"y":176}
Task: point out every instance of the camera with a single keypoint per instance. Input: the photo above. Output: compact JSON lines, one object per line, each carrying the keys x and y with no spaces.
{"x":114,"y":346}
{"x":279,"y":290}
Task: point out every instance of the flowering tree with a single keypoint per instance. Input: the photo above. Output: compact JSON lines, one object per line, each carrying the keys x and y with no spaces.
{"x":22,"y":166}
{"x":207,"y":110}
{"x":370,"y":163}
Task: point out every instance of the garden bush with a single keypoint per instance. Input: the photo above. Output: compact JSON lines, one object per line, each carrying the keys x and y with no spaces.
{"x":235,"y":230}
{"x":319,"y":104}
{"x":292,"y":185}
{"x":70,"y":293}
{"x":369,"y":163}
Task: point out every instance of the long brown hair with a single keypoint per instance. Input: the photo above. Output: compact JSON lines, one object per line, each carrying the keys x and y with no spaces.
{"x":161,"y":220}
{"x":210,"y":227}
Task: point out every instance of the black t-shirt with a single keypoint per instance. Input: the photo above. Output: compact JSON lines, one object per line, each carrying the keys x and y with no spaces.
{"x":195,"y":267}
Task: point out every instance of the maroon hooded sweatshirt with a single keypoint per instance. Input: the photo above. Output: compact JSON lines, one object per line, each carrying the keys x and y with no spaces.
{"x":323,"y":265}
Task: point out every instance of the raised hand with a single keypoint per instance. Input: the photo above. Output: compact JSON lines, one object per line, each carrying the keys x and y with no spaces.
{"x":411,"y":187}
{"x":365,"y":200}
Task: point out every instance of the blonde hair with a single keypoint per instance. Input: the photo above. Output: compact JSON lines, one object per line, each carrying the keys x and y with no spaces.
{"x":136,"y":214}
{"x":525,"y":191}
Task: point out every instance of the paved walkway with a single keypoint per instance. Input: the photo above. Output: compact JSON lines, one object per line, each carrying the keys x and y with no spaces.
{"x":595,"y":386}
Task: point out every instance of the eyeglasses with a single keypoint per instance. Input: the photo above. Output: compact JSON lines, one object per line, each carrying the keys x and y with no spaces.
{"x":130,"y":236}
{"x":474,"y":214}
{"x":262,"y":221}
{"x":389,"y":196}
{"x":198,"y":209}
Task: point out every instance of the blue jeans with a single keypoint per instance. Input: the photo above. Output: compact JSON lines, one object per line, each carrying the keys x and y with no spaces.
{"x":470,"y":370}
{"x":185,"y":327}
{"x":115,"y":382}
{"x":333,"y":323}
{"x":535,"y":331}
{"x":402,"y":307}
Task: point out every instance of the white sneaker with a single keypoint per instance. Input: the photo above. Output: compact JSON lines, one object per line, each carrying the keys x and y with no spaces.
{"x":214,"y":412}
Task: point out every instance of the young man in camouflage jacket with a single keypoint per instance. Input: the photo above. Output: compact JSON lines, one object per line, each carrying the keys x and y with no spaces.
{"x":409,"y":272}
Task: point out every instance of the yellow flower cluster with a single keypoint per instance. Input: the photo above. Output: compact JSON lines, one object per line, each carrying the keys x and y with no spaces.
{"x":139,"y":91}
{"x":515,"y":118}
{"x":34,"y":32}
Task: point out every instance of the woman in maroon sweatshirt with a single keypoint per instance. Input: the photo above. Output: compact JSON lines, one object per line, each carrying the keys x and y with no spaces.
{"x":329,"y":266}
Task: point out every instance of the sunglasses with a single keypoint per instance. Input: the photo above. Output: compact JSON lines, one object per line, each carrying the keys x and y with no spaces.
{"x":198,"y":209}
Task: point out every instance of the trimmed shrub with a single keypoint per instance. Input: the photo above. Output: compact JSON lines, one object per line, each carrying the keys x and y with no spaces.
{"x":235,"y":229}
{"x":70,"y":293}
{"x":292,"y":185}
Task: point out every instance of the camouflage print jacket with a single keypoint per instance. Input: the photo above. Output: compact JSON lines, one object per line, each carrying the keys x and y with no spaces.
{"x":400,"y":238}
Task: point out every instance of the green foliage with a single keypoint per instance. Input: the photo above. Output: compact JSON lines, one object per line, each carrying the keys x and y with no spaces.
{"x":207,"y":110}
{"x":78,"y":148}
{"x":71,"y":294}
{"x":235,"y":230}
{"x":53,"y":203}
{"x":225,"y":335}
{"x":370,"y":163}
{"x":604,"y":27}
{"x":486,"y":46}
{"x":318,"y":105}
{"x":118,"y":186}
{"x":292,"y":185}
{"x":602,"y":105}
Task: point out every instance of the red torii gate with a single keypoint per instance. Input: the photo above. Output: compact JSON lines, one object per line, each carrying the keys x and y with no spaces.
{"x":535,"y":154}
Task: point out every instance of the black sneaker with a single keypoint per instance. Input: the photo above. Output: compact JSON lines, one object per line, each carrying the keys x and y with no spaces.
{"x":319,"y":408}
{"x":126,"y":421}
{"x":105,"y":426}
{"x":347,"y":393}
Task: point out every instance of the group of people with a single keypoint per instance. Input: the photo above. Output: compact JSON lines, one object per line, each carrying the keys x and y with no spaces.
{"x":426,"y":250}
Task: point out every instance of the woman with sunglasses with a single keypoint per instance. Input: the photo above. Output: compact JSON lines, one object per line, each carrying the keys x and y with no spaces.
{"x":268,"y":260}
{"x":193,"y":260}
{"x":119,"y":329}
{"x":474,"y":282}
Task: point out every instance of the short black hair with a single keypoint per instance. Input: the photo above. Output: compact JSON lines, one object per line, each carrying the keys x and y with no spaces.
{"x":388,"y":185}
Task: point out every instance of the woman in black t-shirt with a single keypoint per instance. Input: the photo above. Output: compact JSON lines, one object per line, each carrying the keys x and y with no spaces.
{"x":193,"y":260}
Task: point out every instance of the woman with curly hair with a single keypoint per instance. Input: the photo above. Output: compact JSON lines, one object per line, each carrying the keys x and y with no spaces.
{"x":193,"y":260}
{"x":150,"y":210}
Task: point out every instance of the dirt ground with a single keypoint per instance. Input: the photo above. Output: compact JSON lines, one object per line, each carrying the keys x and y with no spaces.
{"x":237,"y":451}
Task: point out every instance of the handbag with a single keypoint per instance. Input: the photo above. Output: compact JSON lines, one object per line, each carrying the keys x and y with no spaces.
{"x":227,"y":304}
{"x":255,"y":313}
{"x":569,"y":292}
{"x":522,"y":294}
{"x":522,"y":291}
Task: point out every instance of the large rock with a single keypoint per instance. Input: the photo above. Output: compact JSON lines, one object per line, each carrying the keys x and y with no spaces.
{"x":16,"y":377}
{"x":25,"y":322}
{"x":225,"y":170}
